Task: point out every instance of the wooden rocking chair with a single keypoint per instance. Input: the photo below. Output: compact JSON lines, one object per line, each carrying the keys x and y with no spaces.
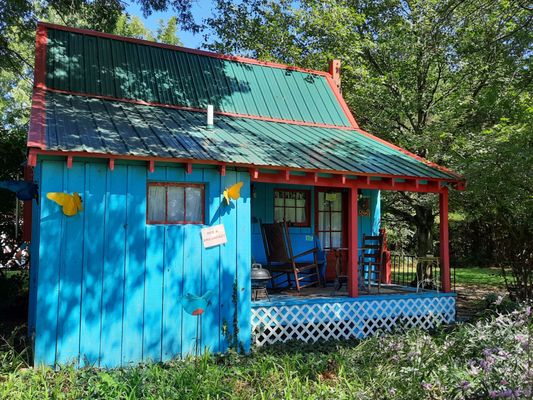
{"x":281,"y":261}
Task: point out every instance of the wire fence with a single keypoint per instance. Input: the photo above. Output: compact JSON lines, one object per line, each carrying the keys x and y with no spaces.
{"x":419,"y":272}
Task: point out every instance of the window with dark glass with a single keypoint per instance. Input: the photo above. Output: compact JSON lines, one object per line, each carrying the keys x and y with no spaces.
{"x":292,"y":206}
{"x":175,"y":203}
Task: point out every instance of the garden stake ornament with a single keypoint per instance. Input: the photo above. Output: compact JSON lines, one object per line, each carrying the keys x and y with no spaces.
{"x":233,"y":192}
{"x":196,"y":305}
{"x":71,"y":203}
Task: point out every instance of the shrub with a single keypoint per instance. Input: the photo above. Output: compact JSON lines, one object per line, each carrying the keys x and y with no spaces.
{"x":490,"y":358}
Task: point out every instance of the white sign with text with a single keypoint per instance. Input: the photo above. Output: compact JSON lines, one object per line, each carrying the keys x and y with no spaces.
{"x":214,"y":236}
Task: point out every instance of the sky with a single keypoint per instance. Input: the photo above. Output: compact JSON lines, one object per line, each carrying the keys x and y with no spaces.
{"x":200,"y":9}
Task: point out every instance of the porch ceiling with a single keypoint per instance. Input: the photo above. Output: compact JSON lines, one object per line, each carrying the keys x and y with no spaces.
{"x":98,"y":126}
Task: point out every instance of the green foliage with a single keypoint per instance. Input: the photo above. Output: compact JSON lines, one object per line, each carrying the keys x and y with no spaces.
{"x":431,"y":76}
{"x":486,"y":359}
{"x":168,"y":33}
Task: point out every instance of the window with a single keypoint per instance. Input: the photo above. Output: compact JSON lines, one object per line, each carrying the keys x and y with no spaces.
{"x":292,"y":206}
{"x":330,"y":218}
{"x":175,"y":203}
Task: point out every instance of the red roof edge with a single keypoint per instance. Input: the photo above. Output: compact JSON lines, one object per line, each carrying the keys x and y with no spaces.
{"x":36,"y":134}
{"x":342,"y":102}
{"x":412,"y":155}
{"x":81,"y":154}
{"x":183,"y":49}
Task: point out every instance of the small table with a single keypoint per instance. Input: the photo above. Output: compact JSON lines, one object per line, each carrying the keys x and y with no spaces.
{"x":425,"y":273}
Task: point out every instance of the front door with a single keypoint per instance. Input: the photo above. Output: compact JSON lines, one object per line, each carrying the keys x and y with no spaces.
{"x":330,"y":225}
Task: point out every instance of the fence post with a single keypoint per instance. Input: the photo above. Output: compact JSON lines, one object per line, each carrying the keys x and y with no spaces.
{"x":353,"y":268}
{"x":444,"y":245}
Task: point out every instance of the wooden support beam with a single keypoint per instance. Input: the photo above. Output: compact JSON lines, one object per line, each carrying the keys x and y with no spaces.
{"x":151,"y":166}
{"x":255,"y":174}
{"x":188,"y":168}
{"x":353,"y":253}
{"x":287,"y":175}
{"x":69,"y":162}
{"x":343,"y":179}
{"x":222,"y":170}
{"x":315,"y":176}
{"x":111,"y":164}
{"x":444,"y":241}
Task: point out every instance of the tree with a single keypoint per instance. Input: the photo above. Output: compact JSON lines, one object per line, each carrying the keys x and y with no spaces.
{"x":426,"y":75}
{"x":168,"y":33}
{"x":17,"y":37}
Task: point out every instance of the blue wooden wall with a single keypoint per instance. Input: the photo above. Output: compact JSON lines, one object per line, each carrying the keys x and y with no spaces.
{"x":106,"y":287}
{"x":263,"y":210}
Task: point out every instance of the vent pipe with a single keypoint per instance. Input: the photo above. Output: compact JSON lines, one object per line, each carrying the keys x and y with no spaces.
{"x":210,"y":114}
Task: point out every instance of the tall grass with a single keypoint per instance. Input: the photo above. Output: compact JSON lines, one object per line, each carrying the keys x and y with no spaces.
{"x":487,"y":359}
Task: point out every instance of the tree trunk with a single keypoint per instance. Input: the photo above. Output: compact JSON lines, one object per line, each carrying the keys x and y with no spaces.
{"x":424,"y":230}
{"x":424,"y":237}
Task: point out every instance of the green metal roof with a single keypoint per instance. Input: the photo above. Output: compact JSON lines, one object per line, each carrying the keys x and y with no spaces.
{"x":84,"y":124}
{"x":86,"y":63}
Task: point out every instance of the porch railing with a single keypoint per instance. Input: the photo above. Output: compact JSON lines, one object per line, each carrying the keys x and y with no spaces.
{"x":424,"y":272}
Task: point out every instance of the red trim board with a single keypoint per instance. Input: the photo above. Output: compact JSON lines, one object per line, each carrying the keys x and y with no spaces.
{"x":36,"y":134}
{"x":363,"y":178}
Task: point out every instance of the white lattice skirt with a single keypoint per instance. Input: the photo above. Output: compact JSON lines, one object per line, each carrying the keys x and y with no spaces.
{"x":315,"y":319}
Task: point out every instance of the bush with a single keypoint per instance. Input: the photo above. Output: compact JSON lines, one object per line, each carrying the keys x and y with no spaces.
{"x":483,"y":360}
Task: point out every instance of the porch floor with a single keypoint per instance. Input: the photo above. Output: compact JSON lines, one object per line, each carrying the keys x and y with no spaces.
{"x":329,"y":291}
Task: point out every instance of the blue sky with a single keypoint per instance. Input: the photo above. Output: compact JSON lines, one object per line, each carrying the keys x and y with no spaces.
{"x":201,"y":9}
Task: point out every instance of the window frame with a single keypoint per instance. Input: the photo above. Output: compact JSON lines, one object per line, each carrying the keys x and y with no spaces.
{"x":175,"y":184}
{"x":307,"y":207}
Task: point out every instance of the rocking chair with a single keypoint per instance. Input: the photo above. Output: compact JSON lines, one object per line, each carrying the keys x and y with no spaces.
{"x":281,"y":261}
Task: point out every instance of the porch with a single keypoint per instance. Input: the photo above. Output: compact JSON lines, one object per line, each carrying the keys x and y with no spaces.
{"x":334,"y":215}
{"x":325,"y":316}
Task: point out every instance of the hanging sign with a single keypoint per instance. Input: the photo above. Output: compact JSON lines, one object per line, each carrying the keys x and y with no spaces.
{"x":331,"y":196}
{"x":364,"y":207}
{"x":214,"y":235}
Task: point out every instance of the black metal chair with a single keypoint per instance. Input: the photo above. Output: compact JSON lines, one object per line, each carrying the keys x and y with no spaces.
{"x":281,"y":261}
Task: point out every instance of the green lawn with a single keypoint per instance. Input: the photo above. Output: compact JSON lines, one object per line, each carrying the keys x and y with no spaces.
{"x":479,"y":276}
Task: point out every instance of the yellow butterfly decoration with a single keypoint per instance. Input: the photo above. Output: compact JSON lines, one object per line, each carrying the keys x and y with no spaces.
{"x":233,"y":192}
{"x":71,"y":202}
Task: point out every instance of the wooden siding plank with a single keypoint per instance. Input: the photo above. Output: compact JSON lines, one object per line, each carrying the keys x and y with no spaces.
{"x":153,"y":286}
{"x":113,"y":274}
{"x":227,"y":270}
{"x":34,"y":253}
{"x":93,"y":263}
{"x":48,"y":278}
{"x":153,"y":292}
{"x":211,"y":264}
{"x":244,"y":262}
{"x":173,"y":280}
{"x":70,"y":274}
{"x":192,"y":273}
{"x":134,"y":272}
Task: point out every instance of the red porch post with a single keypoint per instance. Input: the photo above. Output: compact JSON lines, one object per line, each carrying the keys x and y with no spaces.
{"x":352,"y":244}
{"x":444,"y":245}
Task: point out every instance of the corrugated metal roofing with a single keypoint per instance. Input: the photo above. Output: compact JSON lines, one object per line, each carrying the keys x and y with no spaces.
{"x":90,"y":64}
{"x":78,"y":123}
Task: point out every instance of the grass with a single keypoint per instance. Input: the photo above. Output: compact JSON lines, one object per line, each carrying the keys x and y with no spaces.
{"x":466,"y":276}
{"x":472,"y":361}
{"x":479,"y":276}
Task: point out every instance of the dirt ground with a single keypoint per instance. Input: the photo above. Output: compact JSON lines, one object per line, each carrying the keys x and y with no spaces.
{"x":470,"y":299}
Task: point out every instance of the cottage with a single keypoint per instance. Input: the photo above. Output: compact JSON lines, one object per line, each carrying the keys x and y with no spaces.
{"x":174,"y":200}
